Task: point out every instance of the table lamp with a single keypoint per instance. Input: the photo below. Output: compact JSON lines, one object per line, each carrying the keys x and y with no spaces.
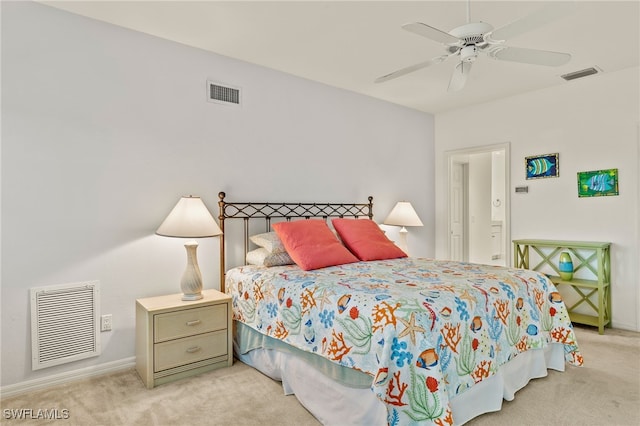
{"x":190,"y":219}
{"x":403,"y":214}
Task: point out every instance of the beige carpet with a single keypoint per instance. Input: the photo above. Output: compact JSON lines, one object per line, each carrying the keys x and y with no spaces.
{"x":606,"y":391}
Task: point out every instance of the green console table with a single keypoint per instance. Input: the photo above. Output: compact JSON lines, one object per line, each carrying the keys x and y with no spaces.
{"x":590,"y":257}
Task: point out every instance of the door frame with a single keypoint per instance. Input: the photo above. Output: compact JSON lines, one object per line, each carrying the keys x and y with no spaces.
{"x":450,"y":158}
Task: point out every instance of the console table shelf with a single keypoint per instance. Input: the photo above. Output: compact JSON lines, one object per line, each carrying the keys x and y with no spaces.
{"x":591,"y":257}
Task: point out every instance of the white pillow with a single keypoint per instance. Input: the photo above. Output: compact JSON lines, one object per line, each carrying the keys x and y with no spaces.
{"x":270,"y":241}
{"x":262,"y":257}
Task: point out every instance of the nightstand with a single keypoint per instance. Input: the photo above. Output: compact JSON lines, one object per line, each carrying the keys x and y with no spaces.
{"x":177,"y":339}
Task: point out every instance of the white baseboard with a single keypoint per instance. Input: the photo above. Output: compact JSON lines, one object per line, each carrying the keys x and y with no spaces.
{"x":623,"y":326}
{"x":69,"y":376}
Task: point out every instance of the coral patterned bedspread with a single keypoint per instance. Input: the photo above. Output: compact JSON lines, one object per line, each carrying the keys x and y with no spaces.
{"x":425,"y":330}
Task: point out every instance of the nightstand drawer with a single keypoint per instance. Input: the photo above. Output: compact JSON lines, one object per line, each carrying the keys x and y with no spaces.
{"x":190,"y":349}
{"x":189,"y":322}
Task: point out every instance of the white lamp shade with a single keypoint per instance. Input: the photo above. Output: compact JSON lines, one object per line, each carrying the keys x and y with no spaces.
{"x":403,"y":214}
{"x":189,"y":219}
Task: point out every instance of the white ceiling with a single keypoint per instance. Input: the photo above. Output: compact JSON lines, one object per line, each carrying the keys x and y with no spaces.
{"x":348,"y":44}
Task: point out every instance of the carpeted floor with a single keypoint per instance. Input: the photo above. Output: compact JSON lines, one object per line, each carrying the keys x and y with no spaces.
{"x":606,"y":391}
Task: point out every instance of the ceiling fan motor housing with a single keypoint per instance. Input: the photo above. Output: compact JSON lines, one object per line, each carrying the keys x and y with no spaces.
{"x":472,"y":33}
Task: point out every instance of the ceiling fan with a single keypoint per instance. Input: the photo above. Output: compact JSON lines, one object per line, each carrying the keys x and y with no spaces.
{"x":469,"y":40}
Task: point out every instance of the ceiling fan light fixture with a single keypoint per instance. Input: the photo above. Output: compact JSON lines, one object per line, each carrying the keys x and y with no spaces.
{"x":469,"y":53}
{"x":581,"y":73}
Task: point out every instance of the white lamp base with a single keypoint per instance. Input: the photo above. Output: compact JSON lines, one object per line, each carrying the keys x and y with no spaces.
{"x":402,"y":240}
{"x":189,"y":297}
{"x":191,"y":283}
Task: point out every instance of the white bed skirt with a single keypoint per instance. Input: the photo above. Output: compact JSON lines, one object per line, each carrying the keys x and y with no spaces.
{"x":333,"y":403}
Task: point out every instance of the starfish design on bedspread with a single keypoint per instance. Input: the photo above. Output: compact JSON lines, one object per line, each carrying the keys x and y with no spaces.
{"x":468,"y":296}
{"x":411,"y":328}
{"x":325,"y":298}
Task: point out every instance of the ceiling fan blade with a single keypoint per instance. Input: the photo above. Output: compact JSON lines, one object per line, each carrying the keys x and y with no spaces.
{"x":530,"y":56}
{"x":410,"y":69}
{"x":432,"y":33}
{"x":459,"y":76}
{"x":539,"y":18}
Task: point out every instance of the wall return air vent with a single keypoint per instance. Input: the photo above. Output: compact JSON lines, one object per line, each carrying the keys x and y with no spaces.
{"x":223,"y":93}
{"x":64,"y":323}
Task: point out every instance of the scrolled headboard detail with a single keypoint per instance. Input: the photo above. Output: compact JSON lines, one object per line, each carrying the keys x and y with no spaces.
{"x":267,"y":211}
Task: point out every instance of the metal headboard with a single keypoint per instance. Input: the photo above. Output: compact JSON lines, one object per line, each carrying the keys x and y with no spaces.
{"x":266,"y":211}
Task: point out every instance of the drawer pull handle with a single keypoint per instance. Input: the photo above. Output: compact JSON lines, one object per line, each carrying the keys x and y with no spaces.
{"x":193,"y":349}
{"x":194,"y":322}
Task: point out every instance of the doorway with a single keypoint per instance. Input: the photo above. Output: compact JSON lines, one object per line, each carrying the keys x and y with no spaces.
{"x":478,"y":204}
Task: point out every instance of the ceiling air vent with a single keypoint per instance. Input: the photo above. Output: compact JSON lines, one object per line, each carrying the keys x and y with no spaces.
{"x":582,"y":73}
{"x":222,"y":93}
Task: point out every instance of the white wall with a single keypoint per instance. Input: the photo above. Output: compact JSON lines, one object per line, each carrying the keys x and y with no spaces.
{"x":103,"y":129}
{"x":593,"y":124}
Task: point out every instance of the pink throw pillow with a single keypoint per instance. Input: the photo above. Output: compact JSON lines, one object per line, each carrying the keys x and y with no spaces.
{"x":366,"y":240}
{"x":311,"y":244}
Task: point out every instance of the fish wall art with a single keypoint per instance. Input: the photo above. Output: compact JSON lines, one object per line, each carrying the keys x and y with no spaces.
{"x":542,"y":166}
{"x":598,"y":183}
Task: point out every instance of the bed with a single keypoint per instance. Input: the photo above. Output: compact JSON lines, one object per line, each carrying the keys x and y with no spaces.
{"x":396,"y":340}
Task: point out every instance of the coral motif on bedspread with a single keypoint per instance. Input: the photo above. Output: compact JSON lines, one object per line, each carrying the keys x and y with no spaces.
{"x":425,"y":330}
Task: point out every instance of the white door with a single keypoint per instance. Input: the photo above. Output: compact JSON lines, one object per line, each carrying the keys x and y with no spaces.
{"x":458,"y":211}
